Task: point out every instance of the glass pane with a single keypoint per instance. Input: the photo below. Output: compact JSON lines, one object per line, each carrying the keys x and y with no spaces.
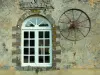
{"x":31,"y":50}
{"x":40,"y":42}
{"x":29,"y":25}
{"x":32,"y":42}
{"x":40,"y":34}
{"x":40,"y":59}
{"x":25,"y":34}
{"x":25,"y":59}
{"x":47,"y":34}
{"x":32,"y":59}
{"x":47,"y":42}
{"x":43,"y":25}
{"x":26,"y":43}
{"x":31,"y":34}
{"x":26,"y":51}
{"x":47,"y":59}
{"x":41,"y":51}
{"x":46,"y":50}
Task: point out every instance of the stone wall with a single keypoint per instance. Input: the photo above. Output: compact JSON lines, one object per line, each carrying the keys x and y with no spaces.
{"x":83,"y":54}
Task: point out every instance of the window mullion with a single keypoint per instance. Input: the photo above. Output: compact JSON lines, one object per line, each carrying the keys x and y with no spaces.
{"x":36,"y":47}
{"x":44,"y":47}
{"x":29,"y":46}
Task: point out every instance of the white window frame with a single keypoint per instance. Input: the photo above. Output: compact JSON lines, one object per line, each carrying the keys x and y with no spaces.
{"x":36,"y":30}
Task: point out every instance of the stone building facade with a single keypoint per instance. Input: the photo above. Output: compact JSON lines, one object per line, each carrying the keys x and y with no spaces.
{"x":66,"y":54}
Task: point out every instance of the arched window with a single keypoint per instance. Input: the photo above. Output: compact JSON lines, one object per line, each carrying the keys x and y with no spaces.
{"x":36,"y":42}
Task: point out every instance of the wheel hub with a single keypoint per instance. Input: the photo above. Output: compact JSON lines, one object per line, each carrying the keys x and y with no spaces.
{"x":73,"y":25}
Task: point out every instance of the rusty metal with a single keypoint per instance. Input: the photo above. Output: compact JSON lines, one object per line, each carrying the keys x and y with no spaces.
{"x":72,"y":25}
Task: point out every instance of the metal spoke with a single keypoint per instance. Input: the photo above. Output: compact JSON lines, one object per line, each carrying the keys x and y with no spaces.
{"x":67,"y":17}
{"x":81,"y":32}
{"x":72,"y":22}
{"x":75,"y":33}
{"x":65,"y":22}
{"x":79,"y":16}
{"x":83,"y":21}
{"x":63,"y":30}
{"x":68,"y":33}
{"x":84,"y":27}
{"x":73,"y":14}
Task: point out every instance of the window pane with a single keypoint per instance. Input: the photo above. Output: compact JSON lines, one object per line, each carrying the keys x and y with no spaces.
{"x":26,"y":43}
{"x":46,"y":50}
{"x":41,"y":51}
{"x":31,"y":50}
{"x":31,"y":25}
{"x":40,"y":59}
{"x":47,"y":34}
{"x":31,"y":34}
{"x":43,"y":25}
{"x":26,"y":51}
{"x":47,"y":42}
{"x":47,"y":59}
{"x":32,"y":59}
{"x":25,"y":34}
{"x":25,"y":59}
{"x":40,"y":34}
{"x":32,"y":42}
{"x":40,"y":42}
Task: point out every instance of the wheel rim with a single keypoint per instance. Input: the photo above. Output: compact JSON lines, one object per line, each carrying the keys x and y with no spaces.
{"x":74,"y":24}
